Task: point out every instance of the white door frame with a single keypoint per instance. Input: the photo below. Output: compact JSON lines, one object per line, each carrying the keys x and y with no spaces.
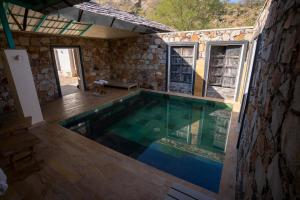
{"x":209,"y":44}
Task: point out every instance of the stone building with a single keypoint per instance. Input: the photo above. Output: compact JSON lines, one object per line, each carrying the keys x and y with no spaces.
{"x":140,"y":59}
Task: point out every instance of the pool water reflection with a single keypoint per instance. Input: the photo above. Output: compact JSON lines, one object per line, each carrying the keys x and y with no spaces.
{"x":181,"y":136}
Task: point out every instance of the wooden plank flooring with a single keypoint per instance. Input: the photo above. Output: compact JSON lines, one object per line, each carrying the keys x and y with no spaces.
{"x":75,"y":167}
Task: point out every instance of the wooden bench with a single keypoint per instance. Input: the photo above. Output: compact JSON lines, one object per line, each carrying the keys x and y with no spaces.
{"x":120,"y":84}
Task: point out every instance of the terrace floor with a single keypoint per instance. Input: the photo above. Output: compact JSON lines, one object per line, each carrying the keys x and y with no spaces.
{"x":75,"y":167}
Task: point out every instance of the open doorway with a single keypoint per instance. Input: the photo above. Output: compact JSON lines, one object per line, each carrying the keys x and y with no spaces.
{"x":68,"y":70}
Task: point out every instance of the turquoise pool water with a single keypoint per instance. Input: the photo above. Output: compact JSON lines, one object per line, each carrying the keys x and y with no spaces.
{"x":181,"y":136}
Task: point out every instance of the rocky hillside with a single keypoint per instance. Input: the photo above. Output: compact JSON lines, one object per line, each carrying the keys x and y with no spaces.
{"x":234,"y":15}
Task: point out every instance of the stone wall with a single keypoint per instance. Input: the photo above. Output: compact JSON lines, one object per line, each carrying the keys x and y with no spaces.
{"x":141,"y":59}
{"x":95,"y":57}
{"x":144,"y":59}
{"x":268,"y":155}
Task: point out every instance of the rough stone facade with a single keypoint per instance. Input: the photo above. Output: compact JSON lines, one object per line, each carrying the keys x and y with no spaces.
{"x":141,"y":59}
{"x":144,"y":59}
{"x":268,"y":155}
{"x":94,"y":57}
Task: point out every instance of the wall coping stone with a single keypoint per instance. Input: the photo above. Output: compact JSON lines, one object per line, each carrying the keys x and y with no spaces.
{"x":206,"y":30}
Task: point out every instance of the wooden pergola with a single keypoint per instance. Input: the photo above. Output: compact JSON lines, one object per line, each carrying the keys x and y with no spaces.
{"x":33,"y":15}
{"x":69,"y":17}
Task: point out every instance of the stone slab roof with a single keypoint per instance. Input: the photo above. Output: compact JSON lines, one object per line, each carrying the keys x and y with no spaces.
{"x":109,"y":11}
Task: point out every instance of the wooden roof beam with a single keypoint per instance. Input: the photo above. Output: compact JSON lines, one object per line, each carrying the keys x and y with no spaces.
{"x":25,"y":19}
{"x":79,"y":15}
{"x":15,"y":20}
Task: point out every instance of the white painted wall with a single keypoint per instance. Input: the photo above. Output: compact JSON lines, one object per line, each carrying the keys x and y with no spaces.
{"x":20,"y":71}
{"x":64,"y":61}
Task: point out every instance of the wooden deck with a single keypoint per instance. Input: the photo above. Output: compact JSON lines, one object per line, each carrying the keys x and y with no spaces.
{"x":75,"y":167}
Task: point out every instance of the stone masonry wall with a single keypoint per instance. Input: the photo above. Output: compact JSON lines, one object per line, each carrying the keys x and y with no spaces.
{"x":144,"y":59}
{"x":141,"y":59}
{"x":269,"y":154}
{"x":94,"y":57}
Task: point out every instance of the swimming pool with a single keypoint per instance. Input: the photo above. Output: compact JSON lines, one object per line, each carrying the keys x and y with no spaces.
{"x":182,"y":136}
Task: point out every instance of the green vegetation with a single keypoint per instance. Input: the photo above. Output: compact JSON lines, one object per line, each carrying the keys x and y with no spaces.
{"x":193,"y":14}
{"x":201,"y":14}
{"x":237,"y":15}
{"x":187,"y":14}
